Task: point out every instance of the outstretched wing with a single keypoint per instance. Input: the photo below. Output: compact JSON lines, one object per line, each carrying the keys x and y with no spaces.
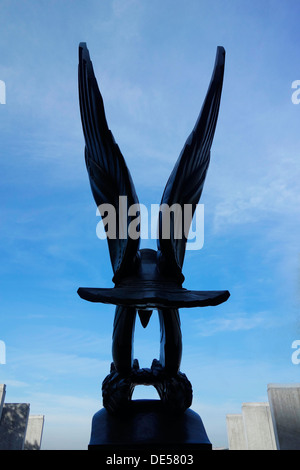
{"x":108,"y":174}
{"x":186,"y":181}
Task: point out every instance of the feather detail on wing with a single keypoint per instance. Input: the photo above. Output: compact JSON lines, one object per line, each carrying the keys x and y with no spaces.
{"x":108,"y":174}
{"x":186,"y":181}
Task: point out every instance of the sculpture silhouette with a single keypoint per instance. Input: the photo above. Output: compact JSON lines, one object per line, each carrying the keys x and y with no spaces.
{"x":147,"y":279}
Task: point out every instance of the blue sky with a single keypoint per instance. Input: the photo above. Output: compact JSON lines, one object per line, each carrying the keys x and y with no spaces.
{"x":153,"y":62}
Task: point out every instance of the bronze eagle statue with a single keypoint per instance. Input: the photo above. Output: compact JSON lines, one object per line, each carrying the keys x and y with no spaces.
{"x":146,"y":279}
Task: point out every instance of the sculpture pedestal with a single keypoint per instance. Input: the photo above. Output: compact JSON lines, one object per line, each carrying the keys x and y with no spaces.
{"x":145,"y":428}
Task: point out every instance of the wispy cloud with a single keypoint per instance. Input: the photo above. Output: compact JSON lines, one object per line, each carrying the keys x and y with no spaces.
{"x":274,"y":193}
{"x":16,"y":383}
{"x":234,"y":323}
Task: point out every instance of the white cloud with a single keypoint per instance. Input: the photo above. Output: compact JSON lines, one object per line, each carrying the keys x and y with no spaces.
{"x":234,"y":322}
{"x":274,"y":193}
{"x":16,"y":383}
{"x":47,"y":365}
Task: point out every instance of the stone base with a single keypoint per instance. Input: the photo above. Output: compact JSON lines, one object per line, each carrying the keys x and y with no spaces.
{"x":145,"y":426}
